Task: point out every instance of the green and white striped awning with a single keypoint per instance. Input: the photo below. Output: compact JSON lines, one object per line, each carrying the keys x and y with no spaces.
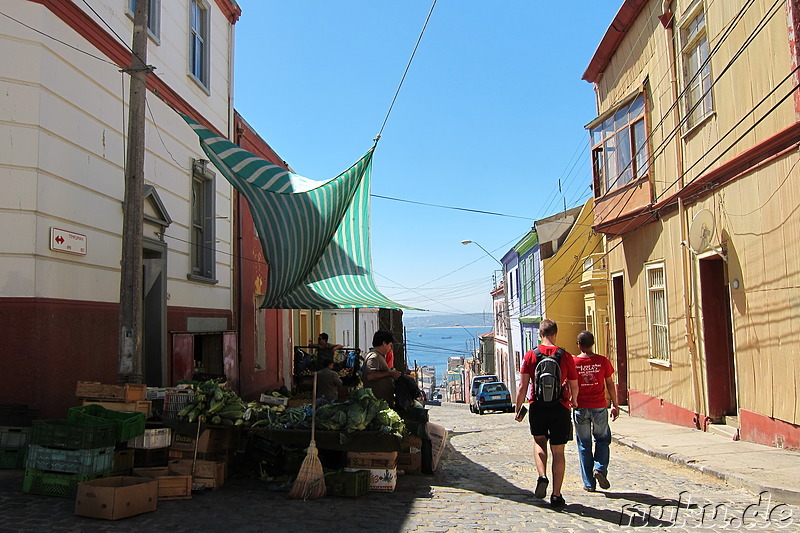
{"x":315,"y":234}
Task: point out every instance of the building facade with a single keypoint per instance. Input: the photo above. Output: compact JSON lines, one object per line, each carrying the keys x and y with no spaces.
{"x":65,"y":111}
{"x":694,"y":151}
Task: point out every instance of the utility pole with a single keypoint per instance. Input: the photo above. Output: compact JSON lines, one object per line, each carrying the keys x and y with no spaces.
{"x":130,"y":368}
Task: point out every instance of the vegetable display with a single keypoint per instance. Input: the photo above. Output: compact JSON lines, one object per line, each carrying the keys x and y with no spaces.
{"x":215,"y":404}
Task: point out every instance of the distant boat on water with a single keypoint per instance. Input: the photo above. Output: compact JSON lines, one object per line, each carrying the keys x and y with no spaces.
{"x":448,"y":337}
{"x":420,"y":334}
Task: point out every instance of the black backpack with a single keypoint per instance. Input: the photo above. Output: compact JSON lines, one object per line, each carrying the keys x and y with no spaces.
{"x":547,"y":377}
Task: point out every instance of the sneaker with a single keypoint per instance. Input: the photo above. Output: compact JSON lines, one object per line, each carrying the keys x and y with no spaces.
{"x":557,"y":502}
{"x":601,"y":479}
{"x":541,"y":487}
{"x":589,"y":489}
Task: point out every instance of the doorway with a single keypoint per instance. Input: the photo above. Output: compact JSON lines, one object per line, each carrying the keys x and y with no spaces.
{"x":620,"y":337}
{"x":154,"y":309}
{"x":717,"y":338}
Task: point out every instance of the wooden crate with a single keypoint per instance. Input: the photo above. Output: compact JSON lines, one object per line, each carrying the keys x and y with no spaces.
{"x":171,"y":486}
{"x":210,"y":473}
{"x":138,"y":406}
{"x":152,"y":438}
{"x":129,"y":392}
{"x":371,"y":460}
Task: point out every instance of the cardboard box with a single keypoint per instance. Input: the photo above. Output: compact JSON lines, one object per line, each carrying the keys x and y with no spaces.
{"x":171,"y":486}
{"x":380,"y":479}
{"x":117,"y":497}
{"x":152,"y":438}
{"x":130,"y":392}
{"x":371,"y":460}
{"x":411,"y":444}
{"x":269,"y":399}
{"x":438,"y":436}
{"x":410,"y":463}
{"x":211,"y":440}
{"x":210,"y":473}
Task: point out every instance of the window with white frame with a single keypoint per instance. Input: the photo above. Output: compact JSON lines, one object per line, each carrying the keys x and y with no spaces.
{"x":698,"y":101}
{"x":203,"y":235}
{"x":657,"y":314}
{"x":198,"y":42}
{"x":153,"y":17}
{"x":619,"y":147}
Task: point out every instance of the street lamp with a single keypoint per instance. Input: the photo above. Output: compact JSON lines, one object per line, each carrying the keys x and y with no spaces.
{"x":508,"y":311}
{"x":467,"y":241}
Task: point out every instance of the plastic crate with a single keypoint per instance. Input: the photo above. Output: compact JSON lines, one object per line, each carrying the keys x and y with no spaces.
{"x":128,"y":425}
{"x":349,"y":484}
{"x":12,"y":457}
{"x":70,"y":461}
{"x":175,"y":400}
{"x":56,"y":483}
{"x":123,"y":462}
{"x":11,"y":436}
{"x":71,"y":435}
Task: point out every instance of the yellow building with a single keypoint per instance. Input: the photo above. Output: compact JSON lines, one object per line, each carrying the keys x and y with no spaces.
{"x":696,"y":183}
{"x":572,"y":295}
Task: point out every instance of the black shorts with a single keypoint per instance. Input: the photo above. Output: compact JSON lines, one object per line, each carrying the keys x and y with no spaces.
{"x":554,"y":422}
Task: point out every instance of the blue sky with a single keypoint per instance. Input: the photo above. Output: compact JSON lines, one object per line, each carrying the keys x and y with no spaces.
{"x":490,"y":117}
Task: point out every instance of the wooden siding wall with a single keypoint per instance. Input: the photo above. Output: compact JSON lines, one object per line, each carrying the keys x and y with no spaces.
{"x":757,"y":214}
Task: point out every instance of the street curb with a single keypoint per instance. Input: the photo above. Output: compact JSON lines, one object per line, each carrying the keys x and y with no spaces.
{"x":784,"y":495}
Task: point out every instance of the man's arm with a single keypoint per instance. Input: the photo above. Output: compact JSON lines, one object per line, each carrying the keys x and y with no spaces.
{"x":522,"y":392}
{"x":394,"y":374}
{"x":612,"y":391}
{"x":573,"y":392}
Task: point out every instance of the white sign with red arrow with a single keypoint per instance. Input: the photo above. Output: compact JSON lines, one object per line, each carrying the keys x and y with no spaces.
{"x":67,"y":241}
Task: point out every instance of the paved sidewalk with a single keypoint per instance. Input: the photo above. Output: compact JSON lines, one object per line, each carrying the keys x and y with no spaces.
{"x":753,"y":467}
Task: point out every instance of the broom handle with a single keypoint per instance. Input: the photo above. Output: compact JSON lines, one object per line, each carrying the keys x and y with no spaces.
{"x":314,"y":407}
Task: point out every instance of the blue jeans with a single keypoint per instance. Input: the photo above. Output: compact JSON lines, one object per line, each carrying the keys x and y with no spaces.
{"x":592,"y":423}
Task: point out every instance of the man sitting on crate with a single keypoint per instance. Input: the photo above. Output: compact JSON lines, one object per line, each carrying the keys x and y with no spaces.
{"x":375,"y":373}
{"x":328,"y":381}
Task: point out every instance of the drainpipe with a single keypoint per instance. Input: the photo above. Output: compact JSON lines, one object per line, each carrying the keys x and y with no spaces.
{"x":667,"y":19}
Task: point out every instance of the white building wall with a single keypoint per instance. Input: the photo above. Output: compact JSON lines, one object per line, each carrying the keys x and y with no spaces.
{"x":63,"y":114}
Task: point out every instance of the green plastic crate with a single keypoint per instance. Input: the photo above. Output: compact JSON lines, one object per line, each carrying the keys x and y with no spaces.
{"x":129,"y":425}
{"x":70,"y":461}
{"x":349,"y":484}
{"x":12,"y":457}
{"x":56,"y":483}
{"x":71,"y":435}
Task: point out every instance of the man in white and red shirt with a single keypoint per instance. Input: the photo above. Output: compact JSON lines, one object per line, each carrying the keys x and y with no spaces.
{"x":591,"y":417}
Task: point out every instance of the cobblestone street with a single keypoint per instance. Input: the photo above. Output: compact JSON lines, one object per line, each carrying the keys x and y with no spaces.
{"x":484,"y":482}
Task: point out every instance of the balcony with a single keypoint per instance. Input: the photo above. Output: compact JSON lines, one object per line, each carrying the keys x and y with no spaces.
{"x":594,"y":270}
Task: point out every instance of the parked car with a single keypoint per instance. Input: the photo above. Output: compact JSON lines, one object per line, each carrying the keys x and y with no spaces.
{"x":473,"y":389}
{"x":492,"y":396}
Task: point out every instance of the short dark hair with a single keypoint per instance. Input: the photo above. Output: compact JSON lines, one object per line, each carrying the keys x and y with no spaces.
{"x":326,"y":362}
{"x":382,"y":337}
{"x":548,"y":328}
{"x":323,"y":336}
{"x":586,"y":339}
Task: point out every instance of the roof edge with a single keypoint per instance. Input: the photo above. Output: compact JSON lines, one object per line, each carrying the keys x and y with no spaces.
{"x":616,"y":32}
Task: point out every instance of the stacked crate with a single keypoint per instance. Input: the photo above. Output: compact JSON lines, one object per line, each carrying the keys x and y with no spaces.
{"x":382,"y":467}
{"x":127,"y":398}
{"x":64,"y":453}
{"x":15,"y":431}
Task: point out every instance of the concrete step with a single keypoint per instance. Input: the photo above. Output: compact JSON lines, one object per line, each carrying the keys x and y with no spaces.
{"x":724,"y":430}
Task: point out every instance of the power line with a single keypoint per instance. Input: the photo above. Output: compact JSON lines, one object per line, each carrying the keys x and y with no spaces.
{"x":408,"y":66}
{"x":450,"y":207}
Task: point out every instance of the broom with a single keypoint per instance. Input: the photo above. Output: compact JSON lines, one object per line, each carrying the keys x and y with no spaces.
{"x":310,"y":482}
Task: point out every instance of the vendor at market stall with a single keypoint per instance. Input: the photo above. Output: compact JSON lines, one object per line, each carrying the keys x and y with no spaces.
{"x":376,"y":373}
{"x":328,"y":381}
{"x":324,"y":348}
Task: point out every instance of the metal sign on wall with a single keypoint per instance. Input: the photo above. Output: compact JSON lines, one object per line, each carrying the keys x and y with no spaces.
{"x":67,"y":241}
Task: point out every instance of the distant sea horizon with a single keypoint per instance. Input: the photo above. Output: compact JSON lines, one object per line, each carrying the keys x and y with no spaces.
{"x":432,"y":346}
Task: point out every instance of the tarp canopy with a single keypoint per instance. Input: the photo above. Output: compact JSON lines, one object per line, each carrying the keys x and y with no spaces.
{"x":315,"y":234}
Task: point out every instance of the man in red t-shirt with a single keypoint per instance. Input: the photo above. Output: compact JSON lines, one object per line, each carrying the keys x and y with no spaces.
{"x":549,"y":421}
{"x":591,"y":417}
